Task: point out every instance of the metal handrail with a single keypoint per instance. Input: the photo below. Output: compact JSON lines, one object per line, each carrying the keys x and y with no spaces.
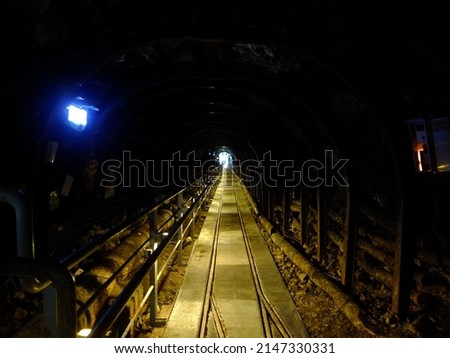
{"x":105,"y":322}
{"x":84,"y":252}
{"x":36,"y":275}
{"x":106,"y":284}
{"x":136,"y":218}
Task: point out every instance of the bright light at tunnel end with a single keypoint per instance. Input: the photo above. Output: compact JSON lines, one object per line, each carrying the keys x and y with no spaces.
{"x":225,"y":159}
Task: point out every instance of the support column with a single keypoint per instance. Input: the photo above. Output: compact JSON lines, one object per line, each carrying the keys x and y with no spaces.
{"x":350,"y":235}
{"x":400,"y":296}
{"x":154,"y":292}
{"x":153,"y":298}
{"x":321,"y":222}
{"x":303,"y":214}
{"x":286,"y":204}
{"x":179,"y":235}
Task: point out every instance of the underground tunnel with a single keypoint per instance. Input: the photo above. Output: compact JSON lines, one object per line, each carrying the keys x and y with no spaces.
{"x":141,"y":138}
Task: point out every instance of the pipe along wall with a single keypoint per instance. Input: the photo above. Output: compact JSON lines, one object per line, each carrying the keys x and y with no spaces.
{"x":127,"y":246}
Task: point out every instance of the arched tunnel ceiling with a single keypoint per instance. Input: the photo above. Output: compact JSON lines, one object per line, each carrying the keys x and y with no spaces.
{"x":191,"y":94}
{"x":294,"y":78}
{"x":284,"y":79}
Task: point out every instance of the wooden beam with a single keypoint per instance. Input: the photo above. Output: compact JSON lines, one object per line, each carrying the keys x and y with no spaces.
{"x":350,"y":235}
{"x":304,"y":208}
{"x":286,"y":206}
{"x":321,"y":226}
{"x":400,"y":297}
{"x":269,"y":202}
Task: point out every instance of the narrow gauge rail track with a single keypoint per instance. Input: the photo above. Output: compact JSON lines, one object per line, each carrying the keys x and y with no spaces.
{"x":213,"y":321}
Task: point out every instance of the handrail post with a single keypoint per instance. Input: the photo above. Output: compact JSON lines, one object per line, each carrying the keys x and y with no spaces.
{"x":180,"y":214}
{"x":154,"y":292}
{"x":153,"y":304}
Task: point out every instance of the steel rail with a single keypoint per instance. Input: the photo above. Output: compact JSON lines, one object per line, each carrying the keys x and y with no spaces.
{"x":267,"y":309}
{"x":207,"y":301}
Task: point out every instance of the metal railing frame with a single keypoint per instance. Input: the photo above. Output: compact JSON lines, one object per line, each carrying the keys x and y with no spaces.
{"x":56,"y":282}
{"x":149,"y":267}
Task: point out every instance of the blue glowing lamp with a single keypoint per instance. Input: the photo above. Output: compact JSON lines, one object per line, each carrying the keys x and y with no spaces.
{"x":78,"y":114}
{"x":77,"y":117}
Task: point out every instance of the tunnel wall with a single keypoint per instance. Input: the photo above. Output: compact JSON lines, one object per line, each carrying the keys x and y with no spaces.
{"x":374,"y":256}
{"x":348,"y":75}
